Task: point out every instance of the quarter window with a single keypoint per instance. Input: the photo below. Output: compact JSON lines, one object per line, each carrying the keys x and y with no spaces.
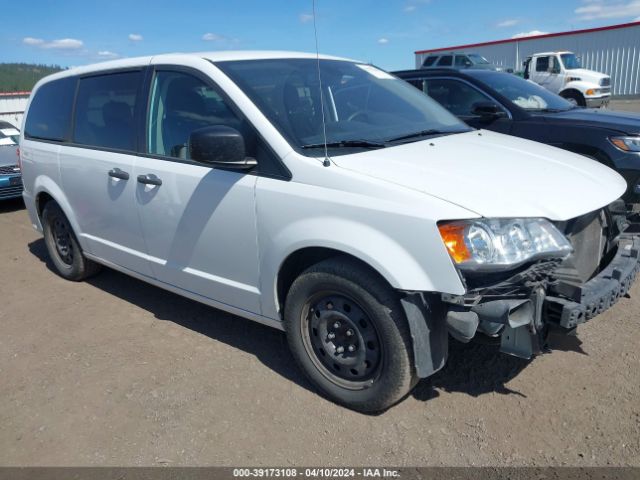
{"x":429,"y":61}
{"x":181,"y":104}
{"x":105,"y":109}
{"x":457,"y":97}
{"x":49,"y":115}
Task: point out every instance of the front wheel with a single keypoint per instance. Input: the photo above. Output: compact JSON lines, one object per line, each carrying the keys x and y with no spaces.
{"x":348,"y":333}
{"x":575,"y":98}
{"x":63,"y":247}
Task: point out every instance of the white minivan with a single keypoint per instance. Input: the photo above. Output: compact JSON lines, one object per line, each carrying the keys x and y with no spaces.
{"x":326,"y":198}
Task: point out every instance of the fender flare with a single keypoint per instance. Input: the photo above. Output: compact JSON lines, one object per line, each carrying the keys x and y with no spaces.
{"x":381,"y":252}
{"x":44,"y":184}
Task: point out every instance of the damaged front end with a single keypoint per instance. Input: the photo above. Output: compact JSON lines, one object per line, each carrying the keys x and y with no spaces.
{"x":520,"y":307}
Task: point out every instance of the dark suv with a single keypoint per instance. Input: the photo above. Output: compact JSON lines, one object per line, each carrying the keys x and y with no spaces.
{"x":509,"y":104}
{"x":458,"y":60}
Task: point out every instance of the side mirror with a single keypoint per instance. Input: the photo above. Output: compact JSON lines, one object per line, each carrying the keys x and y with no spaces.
{"x":220,"y":146}
{"x":488,"y":110}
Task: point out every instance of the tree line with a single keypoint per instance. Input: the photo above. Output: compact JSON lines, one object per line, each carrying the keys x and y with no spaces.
{"x":20,"y":77}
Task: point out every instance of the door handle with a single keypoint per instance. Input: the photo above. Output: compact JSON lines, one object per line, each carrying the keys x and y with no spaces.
{"x":117,"y":173}
{"x":149,"y":179}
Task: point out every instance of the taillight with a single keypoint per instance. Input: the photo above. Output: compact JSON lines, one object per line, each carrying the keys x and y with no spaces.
{"x":19,"y":160}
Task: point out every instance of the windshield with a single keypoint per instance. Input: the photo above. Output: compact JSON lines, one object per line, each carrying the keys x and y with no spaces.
{"x":364,"y":107}
{"x":478,"y":59}
{"x":524,"y":93}
{"x":571,"y":62}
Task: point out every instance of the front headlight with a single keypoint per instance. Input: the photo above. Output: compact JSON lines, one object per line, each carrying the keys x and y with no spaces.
{"x":627,"y":144}
{"x":496,"y":244}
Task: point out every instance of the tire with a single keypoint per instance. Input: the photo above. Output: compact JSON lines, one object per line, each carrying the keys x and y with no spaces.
{"x":63,"y":247}
{"x":574,"y":97}
{"x":334,"y":297}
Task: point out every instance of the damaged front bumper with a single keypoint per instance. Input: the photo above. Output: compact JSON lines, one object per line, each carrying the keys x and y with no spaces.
{"x":522,"y":318}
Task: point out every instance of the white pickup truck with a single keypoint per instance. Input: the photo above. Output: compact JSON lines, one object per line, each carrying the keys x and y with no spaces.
{"x":562,"y":73}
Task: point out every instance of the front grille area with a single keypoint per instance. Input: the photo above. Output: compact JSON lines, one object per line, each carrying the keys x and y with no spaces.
{"x":9,"y":170}
{"x":605,"y":82}
{"x":587,"y":236}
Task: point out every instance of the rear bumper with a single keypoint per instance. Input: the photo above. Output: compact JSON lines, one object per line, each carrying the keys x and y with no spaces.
{"x":30,"y":203}
{"x":10,"y":186}
{"x":580,"y":304}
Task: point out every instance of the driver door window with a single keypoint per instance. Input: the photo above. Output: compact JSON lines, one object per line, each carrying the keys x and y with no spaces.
{"x":542,"y":64}
{"x":457,"y":97}
{"x":181,"y":104}
{"x":462,"y":61}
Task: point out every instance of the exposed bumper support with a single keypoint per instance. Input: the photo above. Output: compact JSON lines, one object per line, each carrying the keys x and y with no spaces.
{"x":580,"y":304}
{"x":522,"y":323}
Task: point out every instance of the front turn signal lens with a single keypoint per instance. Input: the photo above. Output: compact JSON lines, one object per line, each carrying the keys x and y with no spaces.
{"x":590,"y":92}
{"x":453,"y":238}
{"x":627,"y":144}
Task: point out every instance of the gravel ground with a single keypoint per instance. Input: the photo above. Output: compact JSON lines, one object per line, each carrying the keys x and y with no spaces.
{"x":631,"y":105}
{"x":117,"y":372}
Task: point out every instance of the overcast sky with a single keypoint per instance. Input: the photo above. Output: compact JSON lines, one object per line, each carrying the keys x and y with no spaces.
{"x":384,"y":32}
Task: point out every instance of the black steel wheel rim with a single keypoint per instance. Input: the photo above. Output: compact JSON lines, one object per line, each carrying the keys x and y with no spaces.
{"x":62,"y":239}
{"x":341,"y":340}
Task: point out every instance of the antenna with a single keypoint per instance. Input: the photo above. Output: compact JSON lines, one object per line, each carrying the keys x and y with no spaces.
{"x":326,"y":162}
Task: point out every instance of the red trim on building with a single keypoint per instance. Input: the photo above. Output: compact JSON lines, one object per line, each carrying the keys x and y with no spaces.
{"x":535,"y":37}
{"x":14,"y":94}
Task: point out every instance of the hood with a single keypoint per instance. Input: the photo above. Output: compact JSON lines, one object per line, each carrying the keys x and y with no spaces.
{"x":495,"y":175}
{"x":625,"y":122}
{"x":587,"y":75}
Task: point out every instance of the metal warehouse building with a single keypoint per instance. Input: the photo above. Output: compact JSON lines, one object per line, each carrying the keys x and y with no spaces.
{"x":614,"y":50}
{"x":12,"y":106}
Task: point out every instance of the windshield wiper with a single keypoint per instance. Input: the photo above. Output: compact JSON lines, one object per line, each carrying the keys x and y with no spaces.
{"x":423,"y":133}
{"x":347,"y":144}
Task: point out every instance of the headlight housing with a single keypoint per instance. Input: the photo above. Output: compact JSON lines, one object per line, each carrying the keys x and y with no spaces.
{"x":502,"y":243}
{"x":627,"y":144}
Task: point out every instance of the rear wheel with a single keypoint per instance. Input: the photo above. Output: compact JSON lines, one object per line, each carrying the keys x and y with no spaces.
{"x":63,"y":247}
{"x":349,"y":335}
{"x":574,"y":97}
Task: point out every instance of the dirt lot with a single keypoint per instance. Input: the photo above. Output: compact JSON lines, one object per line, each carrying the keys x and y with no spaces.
{"x":116,"y":372}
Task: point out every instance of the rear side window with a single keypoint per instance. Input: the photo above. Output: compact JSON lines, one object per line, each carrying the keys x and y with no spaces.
{"x":105,"y":108}
{"x":429,"y":61}
{"x":49,"y":115}
{"x":542,"y":64}
{"x":445,"y":61}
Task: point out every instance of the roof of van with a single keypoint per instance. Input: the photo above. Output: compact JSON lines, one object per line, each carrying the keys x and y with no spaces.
{"x":220,"y":56}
